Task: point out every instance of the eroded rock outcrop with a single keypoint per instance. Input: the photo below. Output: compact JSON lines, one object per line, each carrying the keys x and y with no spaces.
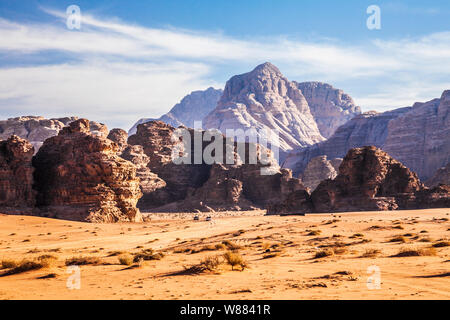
{"x":79,"y":176}
{"x":120,"y":137}
{"x":367,"y":129}
{"x":417,"y":136}
{"x":330,"y":107}
{"x":16,"y":174}
{"x":442,"y":176}
{"x":37,"y":129}
{"x":207,"y":187}
{"x":319,"y":169}
{"x":368,"y":180}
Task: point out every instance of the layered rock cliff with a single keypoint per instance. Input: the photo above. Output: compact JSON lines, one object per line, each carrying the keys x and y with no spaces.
{"x":79,"y":176}
{"x":369,"y":179}
{"x":16,"y":174}
{"x":420,"y":138}
{"x":330,"y":107}
{"x":193,"y":107}
{"x":370,"y":128}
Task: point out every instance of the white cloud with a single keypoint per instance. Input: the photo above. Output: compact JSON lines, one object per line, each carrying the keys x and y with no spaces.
{"x":119,"y":72}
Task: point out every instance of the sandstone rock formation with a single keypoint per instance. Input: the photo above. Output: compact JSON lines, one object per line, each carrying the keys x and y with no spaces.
{"x":37,"y":129}
{"x":417,"y":136}
{"x":367,"y":129}
{"x":420,"y":138}
{"x":265,"y":99}
{"x":368,"y":179}
{"x":16,"y":174}
{"x":319,"y":169}
{"x":330,"y":107}
{"x":442,"y":176}
{"x":120,"y":137}
{"x":193,"y":107}
{"x":79,"y":176}
{"x":207,"y":187}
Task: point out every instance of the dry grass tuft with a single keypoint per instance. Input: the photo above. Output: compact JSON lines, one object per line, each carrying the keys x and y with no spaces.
{"x":324,"y":253}
{"x":441,"y":244}
{"x":126,"y":259}
{"x":83,"y":261}
{"x":370,"y":253}
{"x":235,"y":259}
{"x":401,"y":239}
{"x":14,"y":267}
{"x":412,"y":252}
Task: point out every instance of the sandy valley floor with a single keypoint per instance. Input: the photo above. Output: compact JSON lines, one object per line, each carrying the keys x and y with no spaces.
{"x":280,"y":253}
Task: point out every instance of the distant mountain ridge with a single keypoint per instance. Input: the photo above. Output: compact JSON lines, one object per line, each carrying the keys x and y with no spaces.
{"x":193,"y":107}
{"x":418,"y":136}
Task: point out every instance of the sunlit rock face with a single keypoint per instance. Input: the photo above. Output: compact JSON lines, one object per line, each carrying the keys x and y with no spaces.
{"x":80,"y":176}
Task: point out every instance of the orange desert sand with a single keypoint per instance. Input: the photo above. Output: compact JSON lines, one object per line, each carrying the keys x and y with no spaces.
{"x":280,"y":253}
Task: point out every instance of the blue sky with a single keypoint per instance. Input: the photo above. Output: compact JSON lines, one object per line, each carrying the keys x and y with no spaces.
{"x":134,"y":59}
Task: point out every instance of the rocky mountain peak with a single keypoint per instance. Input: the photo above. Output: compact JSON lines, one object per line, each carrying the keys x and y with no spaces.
{"x":265,"y":99}
{"x":329,"y":106}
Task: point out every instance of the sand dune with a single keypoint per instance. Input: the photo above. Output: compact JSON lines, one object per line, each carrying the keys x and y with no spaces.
{"x":279,"y":251}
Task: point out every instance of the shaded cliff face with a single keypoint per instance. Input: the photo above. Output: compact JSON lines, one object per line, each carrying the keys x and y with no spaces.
{"x":16,"y":173}
{"x":79,"y":176}
{"x":204,"y":187}
{"x":193,"y":107}
{"x":417,"y":136}
{"x":37,"y":129}
{"x":369,"y":179}
{"x":265,"y":99}
{"x":370,"y":128}
{"x":442,"y":176}
{"x":330,"y":107}
{"x":420,"y":139}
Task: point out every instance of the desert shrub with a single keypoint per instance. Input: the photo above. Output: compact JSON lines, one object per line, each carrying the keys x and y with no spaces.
{"x":210,"y":263}
{"x":27,"y":265}
{"x":126,"y":259}
{"x":339,"y":250}
{"x":323,"y":253}
{"x":8,"y":264}
{"x":313,"y":232}
{"x":401,"y":239}
{"x":356,"y":235}
{"x":115,"y":253}
{"x":370,"y":253}
{"x":411,"y":252}
{"x":147,"y":255}
{"x":234,"y":259}
{"x":441,"y":244}
{"x":82,"y":261}
{"x":231,"y":245}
